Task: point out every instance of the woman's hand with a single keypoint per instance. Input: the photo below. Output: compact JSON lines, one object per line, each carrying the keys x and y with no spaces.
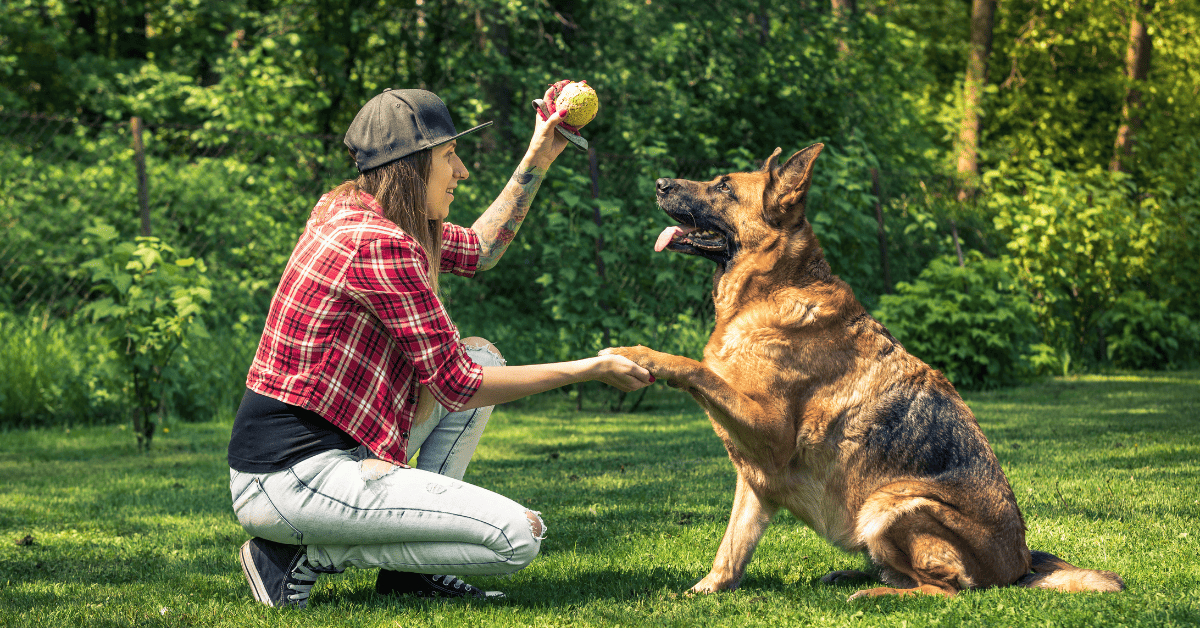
{"x":547,"y":144}
{"x":620,"y":372}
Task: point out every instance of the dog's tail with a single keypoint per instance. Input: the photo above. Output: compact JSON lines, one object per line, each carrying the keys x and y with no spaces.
{"x":1052,"y":572}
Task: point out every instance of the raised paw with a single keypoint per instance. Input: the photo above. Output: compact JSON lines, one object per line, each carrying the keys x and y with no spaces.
{"x":642,"y":356}
{"x":675,"y":370}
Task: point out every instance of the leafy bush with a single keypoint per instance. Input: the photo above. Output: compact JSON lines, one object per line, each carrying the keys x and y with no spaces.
{"x":1144,"y":333}
{"x":1077,"y":239}
{"x":152,"y":304}
{"x":974,"y":323}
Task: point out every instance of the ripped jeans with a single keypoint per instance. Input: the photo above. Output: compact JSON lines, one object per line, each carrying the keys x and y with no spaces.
{"x":351,"y":509}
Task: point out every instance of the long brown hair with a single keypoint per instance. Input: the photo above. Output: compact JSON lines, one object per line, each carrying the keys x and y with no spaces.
{"x":399,"y":188}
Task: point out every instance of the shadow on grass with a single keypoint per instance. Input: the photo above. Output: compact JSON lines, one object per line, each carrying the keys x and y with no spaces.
{"x":1063,"y":410}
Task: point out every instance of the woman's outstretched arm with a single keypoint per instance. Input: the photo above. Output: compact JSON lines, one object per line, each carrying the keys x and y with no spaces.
{"x":498,"y":225}
{"x":502,"y":384}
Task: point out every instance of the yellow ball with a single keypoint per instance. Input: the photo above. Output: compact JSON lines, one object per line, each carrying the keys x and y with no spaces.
{"x":582,"y":101}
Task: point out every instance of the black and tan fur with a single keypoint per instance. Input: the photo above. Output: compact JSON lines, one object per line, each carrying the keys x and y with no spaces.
{"x":825,"y":414}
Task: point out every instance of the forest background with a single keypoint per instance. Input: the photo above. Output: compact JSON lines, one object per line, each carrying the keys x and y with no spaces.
{"x":1010,"y":187}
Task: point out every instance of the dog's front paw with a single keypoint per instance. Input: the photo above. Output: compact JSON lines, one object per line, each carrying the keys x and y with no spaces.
{"x":676,"y":371}
{"x":642,"y":356}
{"x":713,"y":583}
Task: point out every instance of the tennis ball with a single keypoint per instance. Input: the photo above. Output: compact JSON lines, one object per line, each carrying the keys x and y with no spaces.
{"x":582,"y":101}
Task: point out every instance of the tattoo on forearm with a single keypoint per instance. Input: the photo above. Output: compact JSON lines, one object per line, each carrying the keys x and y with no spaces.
{"x":499,"y":224}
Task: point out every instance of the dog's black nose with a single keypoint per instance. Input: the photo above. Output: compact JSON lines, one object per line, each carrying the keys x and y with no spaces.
{"x":664,"y":185}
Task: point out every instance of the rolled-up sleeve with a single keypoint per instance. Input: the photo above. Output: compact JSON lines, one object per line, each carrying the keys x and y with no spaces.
{"x":460,"y":250}
{"x":388,"y":276}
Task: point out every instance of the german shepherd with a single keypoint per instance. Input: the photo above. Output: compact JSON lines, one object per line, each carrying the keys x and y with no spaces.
{"x":825,"y":414}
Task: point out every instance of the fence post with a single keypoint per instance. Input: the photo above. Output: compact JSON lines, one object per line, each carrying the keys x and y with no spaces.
{"x":139,"y":157}
{"x":887,"y":272}
{"x":594,"y":168}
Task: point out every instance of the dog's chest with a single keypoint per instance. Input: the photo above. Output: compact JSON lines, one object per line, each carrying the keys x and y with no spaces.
{"x":810,"y":489}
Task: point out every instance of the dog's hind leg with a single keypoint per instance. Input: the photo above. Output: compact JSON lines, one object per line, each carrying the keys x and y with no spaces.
{"x":919,"y":555}
{"x":926,"y":589}
{"x":747,"y":522}
{"x":919,"y":544}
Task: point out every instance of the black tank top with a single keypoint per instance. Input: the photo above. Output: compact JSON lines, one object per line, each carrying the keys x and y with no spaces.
{"x":270,"y":435}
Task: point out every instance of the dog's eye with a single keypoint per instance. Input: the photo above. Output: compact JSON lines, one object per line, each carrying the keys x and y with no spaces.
{"x":724,"y":188}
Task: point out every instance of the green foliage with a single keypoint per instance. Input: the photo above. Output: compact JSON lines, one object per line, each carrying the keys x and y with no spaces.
{"x":55,"y":372}
{"x":1144,"y":333}
{"x":973,"y":323}
{"x":1078,"y":240}
{"x":152,"y":304}
{"x":840,"y":207}
{"x":245,"y":102}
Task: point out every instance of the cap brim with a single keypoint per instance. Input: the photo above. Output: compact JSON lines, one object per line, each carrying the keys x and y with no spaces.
{"x":470,"y":130}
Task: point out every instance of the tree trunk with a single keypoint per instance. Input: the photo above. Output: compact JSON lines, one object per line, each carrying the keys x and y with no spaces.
{"x":132,"y":43}
{"x":957,"y":244}
{"x":85,"y":22}
{"x":1137,"y":66}
{"x":844,"y":10}
{"x":982,"y":19}
{"x":594,"y":170}
{"x":496,"y":86}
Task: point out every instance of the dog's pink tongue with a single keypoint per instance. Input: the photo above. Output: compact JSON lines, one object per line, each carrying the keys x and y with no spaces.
{"x":669,"y":234}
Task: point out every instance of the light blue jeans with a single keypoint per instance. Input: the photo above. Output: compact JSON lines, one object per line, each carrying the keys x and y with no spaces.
{"x":351,"y":509}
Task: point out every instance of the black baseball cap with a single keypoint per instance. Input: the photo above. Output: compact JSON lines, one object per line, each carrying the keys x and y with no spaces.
{"x":398,"y":123}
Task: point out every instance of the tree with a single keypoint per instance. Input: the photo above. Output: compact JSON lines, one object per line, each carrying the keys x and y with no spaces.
{"x":152,"y":303}
{"x":1137,"y":67}
{"x":844,"y":11}
{"x":982,"y":18}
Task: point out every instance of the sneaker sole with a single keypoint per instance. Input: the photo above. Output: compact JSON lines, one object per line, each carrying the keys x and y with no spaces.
{"x":257,"y":588}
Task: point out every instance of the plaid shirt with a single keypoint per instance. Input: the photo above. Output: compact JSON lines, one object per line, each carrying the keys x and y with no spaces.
{"x":355,"y":326}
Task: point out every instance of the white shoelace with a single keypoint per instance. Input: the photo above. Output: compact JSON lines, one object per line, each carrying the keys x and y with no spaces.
{"x":453,"y":581}
{"x":302,"y":572}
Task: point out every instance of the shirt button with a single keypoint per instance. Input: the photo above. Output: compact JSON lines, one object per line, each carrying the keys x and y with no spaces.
{"x":404,"y":435}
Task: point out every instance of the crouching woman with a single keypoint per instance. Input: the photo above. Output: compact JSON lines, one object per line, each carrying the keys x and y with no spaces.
{"x":360,"y":368}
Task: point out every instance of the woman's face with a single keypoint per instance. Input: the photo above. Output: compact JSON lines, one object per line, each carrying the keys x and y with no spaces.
{"x":445,"y":171}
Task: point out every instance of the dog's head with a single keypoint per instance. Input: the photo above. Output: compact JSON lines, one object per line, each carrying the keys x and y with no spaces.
{"x":739,"y":211}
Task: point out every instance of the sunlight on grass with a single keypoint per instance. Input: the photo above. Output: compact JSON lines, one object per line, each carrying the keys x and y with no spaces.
{"x":1105,"y":468}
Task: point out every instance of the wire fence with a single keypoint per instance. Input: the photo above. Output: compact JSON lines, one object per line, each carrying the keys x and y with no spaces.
{"x":227,"y":195}
{"x":61,"y":174}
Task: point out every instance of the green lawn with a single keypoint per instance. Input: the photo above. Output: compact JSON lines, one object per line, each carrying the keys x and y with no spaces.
{"x":1106,"y":469}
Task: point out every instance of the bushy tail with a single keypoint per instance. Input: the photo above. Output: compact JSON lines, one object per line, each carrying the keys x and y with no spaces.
{"x":1052,"y":572}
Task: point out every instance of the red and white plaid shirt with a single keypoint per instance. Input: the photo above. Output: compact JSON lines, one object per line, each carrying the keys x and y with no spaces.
{"x":355,"y":326}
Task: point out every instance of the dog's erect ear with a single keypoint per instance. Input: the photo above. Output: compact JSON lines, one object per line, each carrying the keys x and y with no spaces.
{"x":789,"y":182}
{"x":773,"y":161}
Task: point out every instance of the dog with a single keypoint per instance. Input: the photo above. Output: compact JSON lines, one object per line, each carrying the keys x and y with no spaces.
{"x":825,"y":414}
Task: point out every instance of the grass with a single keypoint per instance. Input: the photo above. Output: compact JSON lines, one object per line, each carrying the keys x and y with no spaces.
{"x":1106,"y":469}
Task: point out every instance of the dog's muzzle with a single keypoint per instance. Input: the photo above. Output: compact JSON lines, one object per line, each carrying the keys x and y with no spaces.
{"x":664,"y":186}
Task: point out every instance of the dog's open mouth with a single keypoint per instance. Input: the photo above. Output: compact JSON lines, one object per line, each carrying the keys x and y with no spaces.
{"x":687,"y":239}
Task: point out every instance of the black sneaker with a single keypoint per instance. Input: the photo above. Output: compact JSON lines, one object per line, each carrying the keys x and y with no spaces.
{"x":427,"y":585}
{"x":279,"y":574}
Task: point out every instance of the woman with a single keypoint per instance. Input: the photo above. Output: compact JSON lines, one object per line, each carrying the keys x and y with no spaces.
{"x":359,"y":367}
